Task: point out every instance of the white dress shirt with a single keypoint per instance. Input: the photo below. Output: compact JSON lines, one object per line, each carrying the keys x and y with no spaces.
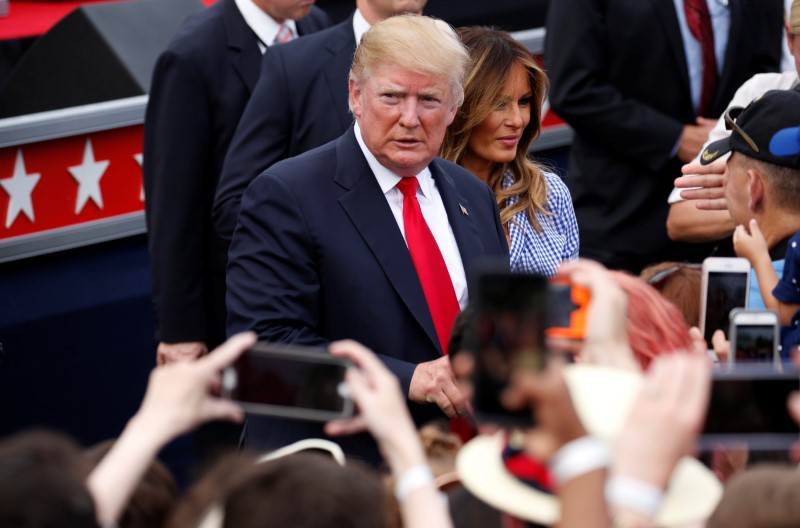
{"x":430,"y":202}
{"x":264,"y":26}
{"x":360,"y":26}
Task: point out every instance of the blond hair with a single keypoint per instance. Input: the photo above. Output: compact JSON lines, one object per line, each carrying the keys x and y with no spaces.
{"x":793,"y":18}
{"x":415,"y":43}
{"x":493,"y":54}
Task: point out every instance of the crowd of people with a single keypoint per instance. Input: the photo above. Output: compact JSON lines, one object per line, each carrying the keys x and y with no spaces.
{"x":341,"y":190}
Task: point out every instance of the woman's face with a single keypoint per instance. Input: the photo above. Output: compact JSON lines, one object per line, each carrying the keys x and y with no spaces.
{"x":496,"y":138}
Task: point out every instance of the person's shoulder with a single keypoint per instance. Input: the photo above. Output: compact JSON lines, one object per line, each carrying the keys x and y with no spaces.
{"x":200,"y":35}
{"x":555,"y":184}
{"x":459,"y":175}
{"x":310,"y":45}
{"x":303,"y":170}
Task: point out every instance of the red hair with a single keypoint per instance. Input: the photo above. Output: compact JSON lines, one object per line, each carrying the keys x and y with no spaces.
{"x":655,"y":325}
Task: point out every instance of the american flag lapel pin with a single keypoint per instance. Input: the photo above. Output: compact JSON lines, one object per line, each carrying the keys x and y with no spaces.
{"x":463,"y":210}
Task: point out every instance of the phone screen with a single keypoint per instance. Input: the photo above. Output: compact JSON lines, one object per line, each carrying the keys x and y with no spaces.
{"x":508,"y":331}
{"x":290,"y":385}
{"x":754,"y":343}
{"x":726,"y":291}
{"x":749,"y":405}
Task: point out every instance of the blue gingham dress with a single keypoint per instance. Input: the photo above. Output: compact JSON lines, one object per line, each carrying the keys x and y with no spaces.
{"x":542,"y":252}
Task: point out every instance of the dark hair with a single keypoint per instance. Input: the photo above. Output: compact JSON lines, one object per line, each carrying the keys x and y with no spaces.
{"x":302,"y":489}
{"x":154,"y":497}
{"x":42,"y":482}
{"x":493,"y":55}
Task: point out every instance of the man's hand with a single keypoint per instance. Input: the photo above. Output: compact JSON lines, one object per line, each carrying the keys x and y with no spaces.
{"x":433,"y":382}
{"x":173,"y":352}
{"x":705,"y":184}
{"x":693,"y":138}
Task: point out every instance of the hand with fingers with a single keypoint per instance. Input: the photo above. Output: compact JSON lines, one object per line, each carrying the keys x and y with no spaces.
{"x":173,"y":352}
{"x":665,"y":419}
{"x":382,"y":410}
{"x":661,"y":428}
{"x":606,"y":341}
{"x":705,"y":184}
{"x":179,"y":397}
{"x":434,"y":382}
{"x":749,"y":243}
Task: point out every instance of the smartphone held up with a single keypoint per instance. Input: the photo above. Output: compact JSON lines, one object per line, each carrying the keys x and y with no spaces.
{"x":514,"y":313}
{"x":289,"y":382}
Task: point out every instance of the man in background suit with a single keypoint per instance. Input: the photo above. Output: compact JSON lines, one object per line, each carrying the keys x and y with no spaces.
{"x":325,"y":248}
{"x":628,"y":76}
{"x":200,"y":86}
{"x":299,"y":103}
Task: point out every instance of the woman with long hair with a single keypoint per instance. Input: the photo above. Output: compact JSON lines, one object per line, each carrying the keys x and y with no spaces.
{"x":501,"y":116}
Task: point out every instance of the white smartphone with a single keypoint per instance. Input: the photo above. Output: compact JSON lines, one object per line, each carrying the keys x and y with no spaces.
{"x":724,"y":286}
{"x":289,"y":382}
{"x":754,"y":336}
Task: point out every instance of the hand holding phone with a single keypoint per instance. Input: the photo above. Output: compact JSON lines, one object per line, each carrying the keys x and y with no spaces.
{"x":289,"y":382}
{"x":508,"y":334}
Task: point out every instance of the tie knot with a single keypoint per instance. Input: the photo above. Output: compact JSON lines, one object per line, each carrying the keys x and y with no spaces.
{"x":408,"y":186}
{"x":284,"y":35}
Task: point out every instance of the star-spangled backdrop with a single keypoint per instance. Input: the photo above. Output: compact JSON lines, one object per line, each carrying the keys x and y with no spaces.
{"x":82,"y":178}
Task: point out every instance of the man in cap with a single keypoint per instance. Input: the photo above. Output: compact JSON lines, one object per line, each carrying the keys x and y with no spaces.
{"x":762,"y":181}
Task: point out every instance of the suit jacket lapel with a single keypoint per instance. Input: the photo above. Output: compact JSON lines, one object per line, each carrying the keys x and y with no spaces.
{"x":463,"y":225}
{"x":366,"y":206}
{"x":669,"y":22}
{"x":242,"y":45}
{"x":341,"y":46}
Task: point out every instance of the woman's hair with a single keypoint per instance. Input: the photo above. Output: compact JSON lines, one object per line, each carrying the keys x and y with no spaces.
{"x":415,"y":43}
{"x":154,"y":497}
{"x":493,"y":54}
{"x":678,"y":283}
{"x":302,"y":489}
{"x":655,"y":325}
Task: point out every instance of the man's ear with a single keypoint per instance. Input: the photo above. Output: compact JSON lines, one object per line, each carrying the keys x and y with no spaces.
{"x":354,"y":91}
{"x":756,"y":189}
{"x":452,"y":114}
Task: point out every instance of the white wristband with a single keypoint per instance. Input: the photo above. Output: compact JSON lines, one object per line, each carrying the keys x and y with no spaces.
{"x":579,"y":456}
{"x":412,"y":479}
{"x":635,"y":494}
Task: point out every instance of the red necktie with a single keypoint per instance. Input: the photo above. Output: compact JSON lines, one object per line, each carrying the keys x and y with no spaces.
{"x":699,"y":20}
{"x":428,"y":260}
{"x":284,"y":35}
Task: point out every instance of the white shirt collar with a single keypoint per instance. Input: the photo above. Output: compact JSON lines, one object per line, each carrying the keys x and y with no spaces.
{"x":387,"y":179}
{"x":264,"y":26}
{"x":360,"y":26}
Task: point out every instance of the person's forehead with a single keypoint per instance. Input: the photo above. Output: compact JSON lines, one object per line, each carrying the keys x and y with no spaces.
{"x":392,"y":75}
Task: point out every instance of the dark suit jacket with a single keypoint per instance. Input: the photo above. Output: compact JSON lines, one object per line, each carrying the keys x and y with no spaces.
{"x":317,"y":256}
{"x":299,"y":103}
{"x":200,"y":86}
{"x":619,"y":78}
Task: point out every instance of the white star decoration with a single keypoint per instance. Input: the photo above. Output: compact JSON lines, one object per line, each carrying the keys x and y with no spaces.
{"x":88,"y":175}
{"x":138,"y":158}
{"x":19,"y":188}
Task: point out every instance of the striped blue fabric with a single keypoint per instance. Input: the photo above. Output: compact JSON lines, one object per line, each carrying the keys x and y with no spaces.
{"x":543,"y":251}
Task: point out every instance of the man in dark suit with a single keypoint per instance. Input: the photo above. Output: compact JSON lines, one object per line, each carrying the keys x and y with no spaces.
{"x":299,"y":103}
{"x":200,"y":86}
{"x":632,"y":79}
{"x":327,"y":246}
